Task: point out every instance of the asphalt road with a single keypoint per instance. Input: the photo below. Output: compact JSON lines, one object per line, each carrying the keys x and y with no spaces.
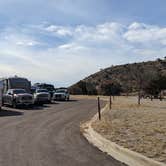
{"x":49,"y":136}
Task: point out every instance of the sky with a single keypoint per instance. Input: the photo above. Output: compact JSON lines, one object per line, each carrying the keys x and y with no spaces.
{"x":63,"y":41}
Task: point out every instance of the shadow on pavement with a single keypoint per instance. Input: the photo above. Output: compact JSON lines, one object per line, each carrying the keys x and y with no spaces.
{"x":72,"y":100}
{"x":33,"y":107}
{"x":4,"y":112}
{"x":54,"y":102}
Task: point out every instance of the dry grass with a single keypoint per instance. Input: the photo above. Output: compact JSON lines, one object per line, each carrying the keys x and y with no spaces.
{"x":139,"y":128}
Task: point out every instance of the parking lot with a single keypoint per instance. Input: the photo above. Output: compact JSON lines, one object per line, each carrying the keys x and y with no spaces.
{"x":49,"y":136}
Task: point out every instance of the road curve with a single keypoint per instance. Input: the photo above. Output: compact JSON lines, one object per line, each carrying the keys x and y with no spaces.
{"x":49,"y":136}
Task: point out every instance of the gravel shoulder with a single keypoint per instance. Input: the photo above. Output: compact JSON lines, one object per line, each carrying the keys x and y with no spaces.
{"x":139,"y":128}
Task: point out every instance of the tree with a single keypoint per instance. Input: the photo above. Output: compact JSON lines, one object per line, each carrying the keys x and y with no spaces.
{"x":110,"y":88}
{"x":142,"y":78}
{"x":156,"y":85}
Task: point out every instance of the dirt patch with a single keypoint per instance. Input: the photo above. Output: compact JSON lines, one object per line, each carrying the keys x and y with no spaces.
{"x":139,"y":128}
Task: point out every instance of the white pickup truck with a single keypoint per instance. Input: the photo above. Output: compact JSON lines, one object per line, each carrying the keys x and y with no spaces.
{"x":61,"y":94}
{"x":16,"y":97}
{"x":42,"y":96}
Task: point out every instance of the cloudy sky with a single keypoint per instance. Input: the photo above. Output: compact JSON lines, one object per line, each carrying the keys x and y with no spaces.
{"x":63,"y":41}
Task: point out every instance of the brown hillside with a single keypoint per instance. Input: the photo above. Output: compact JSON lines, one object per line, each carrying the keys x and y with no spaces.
{"x":122,"y":78}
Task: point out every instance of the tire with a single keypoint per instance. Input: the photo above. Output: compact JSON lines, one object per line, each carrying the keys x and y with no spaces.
{"x":31,"y":106}
{"x":14,"y":104}
{"x":2,"y":102}
{"x":49,"y":102}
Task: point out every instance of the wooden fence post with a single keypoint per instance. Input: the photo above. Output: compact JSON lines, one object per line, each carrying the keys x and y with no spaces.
{"x":110,"y":102}
{"x":113,"y":97}
{"x":99,"y":108}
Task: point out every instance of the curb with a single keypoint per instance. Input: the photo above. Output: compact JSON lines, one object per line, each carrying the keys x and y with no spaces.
{"x":124,"y":155}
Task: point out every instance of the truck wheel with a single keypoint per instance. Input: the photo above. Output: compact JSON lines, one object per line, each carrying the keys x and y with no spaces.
{"x":31,"y":106}
{"x":41,"y":104}
{"x":14,"y":105}
{"x":2,"y":102}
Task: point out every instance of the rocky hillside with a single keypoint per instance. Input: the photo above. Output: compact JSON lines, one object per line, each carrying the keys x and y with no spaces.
{"x":120,"y":79}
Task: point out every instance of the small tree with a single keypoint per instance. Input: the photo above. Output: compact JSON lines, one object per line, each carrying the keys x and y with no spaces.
{"x":137,"y":75}
{"x":156,"y":85}
{"x":142,"y":77}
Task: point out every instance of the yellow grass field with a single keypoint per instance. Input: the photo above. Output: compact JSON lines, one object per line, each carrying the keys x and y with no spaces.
{"x":139,"y":128}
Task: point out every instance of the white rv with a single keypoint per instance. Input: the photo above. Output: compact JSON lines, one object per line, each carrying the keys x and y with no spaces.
{"x":1,"y":89}
{"x":15,"y":83}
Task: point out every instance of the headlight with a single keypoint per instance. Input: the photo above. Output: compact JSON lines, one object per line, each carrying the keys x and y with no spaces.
{"x":35,"y":95}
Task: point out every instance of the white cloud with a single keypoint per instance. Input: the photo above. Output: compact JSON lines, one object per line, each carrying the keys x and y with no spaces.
{"x":59,"y":30}
{"x":13,"y":37}
{"x":101,"y":33}
{"x":26,"y":43}
{"x":142,"y":33}
{"x":72,"y":46}
{"x":88,"y":49}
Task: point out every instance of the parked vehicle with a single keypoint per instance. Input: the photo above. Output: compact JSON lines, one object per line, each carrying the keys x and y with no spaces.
{"x":16,"y":91}
{"x":42,"y":96}
{"x":61,"y":94}
{"x":15,"y":83}
{"x":1,"y":88}
{"x":15,"y":97}
{"x":48,"y":87}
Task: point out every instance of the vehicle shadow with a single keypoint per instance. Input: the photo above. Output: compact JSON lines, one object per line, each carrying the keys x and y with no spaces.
{"x":34,"y":107}
{"x":5,"y":112}
{"x":54,"y":102}
{"x":72,"y":100}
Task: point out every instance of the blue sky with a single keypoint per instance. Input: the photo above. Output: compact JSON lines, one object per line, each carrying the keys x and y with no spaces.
{"x":63,"y":41}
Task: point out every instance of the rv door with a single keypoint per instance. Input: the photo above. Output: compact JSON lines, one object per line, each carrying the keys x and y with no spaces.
{"x":1,"y":88}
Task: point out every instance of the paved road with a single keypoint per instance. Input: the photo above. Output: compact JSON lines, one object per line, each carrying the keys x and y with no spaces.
{"x":49,"y":136}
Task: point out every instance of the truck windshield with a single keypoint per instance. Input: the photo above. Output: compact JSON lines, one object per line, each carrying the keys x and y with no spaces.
{"x":46,"y":86}
{"x":19,"y":91}
{"x":61,"y":91}
{"x":42,"y":90}
{"x":19,"y":83}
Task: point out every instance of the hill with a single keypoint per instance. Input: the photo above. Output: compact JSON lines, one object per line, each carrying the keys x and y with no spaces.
{"x":127,"y":78}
